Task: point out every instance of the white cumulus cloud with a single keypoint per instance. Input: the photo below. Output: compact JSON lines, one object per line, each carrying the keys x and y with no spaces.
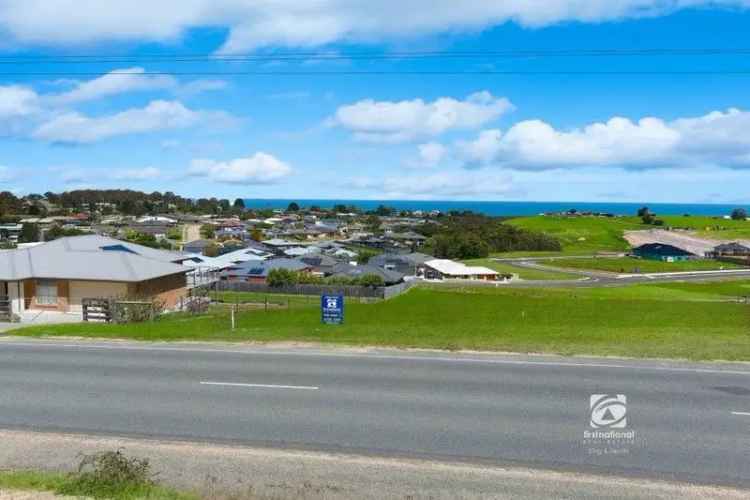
{"x":717,"y":138}
{"x":401,"y":121}
{"x":299,"y":23}
{"x":115,"y":82}
{"x":261,"y":168}
{"x":77,"y":128}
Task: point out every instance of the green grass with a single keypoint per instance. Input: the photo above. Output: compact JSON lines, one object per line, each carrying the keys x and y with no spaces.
{"x":522,"y":272}
{"x":675,"y":320}
{"x":586,"y":235}
{"x":630,"y":264}
{"x":581,"y":235}
{"x":274,"y":300}
{"x":710,"y":227}
{"x":62,"y":483}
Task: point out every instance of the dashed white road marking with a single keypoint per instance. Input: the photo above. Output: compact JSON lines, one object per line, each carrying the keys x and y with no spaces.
{"x":263,"y":386}
{"x":741,"y":413}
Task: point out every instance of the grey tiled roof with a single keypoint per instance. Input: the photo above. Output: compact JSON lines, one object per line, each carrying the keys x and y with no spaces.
{"x":90,"y":257}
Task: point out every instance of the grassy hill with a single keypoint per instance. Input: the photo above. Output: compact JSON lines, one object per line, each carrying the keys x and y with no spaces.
{"x":586,"y":235}
{"x":582,"y":235}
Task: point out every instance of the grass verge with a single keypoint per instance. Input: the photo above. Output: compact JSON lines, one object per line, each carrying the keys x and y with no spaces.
{"x":522,"y":272}
{"x":675,"y":320}
{"x":634,"y":265}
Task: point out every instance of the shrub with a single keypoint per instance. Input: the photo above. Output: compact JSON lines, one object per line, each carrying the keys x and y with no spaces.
{"x":278,"y":278}
{"x":109,"y":474}
{"x":372,"y":280}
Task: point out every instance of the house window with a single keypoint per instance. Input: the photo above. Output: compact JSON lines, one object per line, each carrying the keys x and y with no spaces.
{"x":46,"y":292}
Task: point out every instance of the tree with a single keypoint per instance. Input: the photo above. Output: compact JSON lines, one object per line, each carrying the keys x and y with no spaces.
{"x":256,"y":234}
{"x":239,"y":204}
{"x":643,"y":211}
{"x":212,"y":250}
{"x":364,"y":255}
{"x":29,"y":233}
{"x":293,"y":207}
{"x":208,"y":231}
{"x":278,"y":278}
{"x":384,"y":211}
{"x":372,"y":280}
{"x":739,"y":214}
{"x":648,"y":218}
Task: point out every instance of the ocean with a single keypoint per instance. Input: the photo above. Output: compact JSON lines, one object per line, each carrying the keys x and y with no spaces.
{"x":508,"y":208}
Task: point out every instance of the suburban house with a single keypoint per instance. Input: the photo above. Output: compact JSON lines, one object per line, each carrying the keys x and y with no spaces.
{"x":734,"y":249}
{"x":197,"y":246}
{"x":663,"y":252}
{"x":442,"y":269}
{"x":257,"y":272}
{"x":408,"y":264}
{"x":10,"y":232}
{"x":345,"y":270}
{"x":321,"y":264}
{"x":57,"y":275}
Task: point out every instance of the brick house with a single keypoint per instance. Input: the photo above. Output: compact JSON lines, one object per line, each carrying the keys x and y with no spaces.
{"x":57,"y":275}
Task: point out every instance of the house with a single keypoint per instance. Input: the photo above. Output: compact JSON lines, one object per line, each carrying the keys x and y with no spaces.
{"x":197,"y":246}
{"x":319,"y":263}
{"x":257,"y":272}
{"x":349,"y":271}
{"x":409,"y":264}
{"x":734,"y":249}
{"x":663,"y":252}
{"x":10,"y":232}
{"x":236,"y":257}
{"x":442,"y":269}
{"x":57,"y":275}
{"x":409,"y":239}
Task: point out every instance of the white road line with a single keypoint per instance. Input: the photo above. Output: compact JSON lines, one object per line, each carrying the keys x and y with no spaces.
{"x":394,"y":357}
{"x":741,"y":413}
{"x":263,"y":386}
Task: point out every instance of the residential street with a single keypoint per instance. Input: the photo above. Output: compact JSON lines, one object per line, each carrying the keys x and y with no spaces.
{"x":688,"y":421}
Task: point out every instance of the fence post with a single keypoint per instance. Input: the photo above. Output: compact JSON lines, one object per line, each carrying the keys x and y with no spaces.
{"x":232,"y":307}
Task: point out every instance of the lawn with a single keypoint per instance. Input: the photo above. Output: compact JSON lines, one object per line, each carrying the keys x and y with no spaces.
{"x":583,"y":235}
{"x":632,"y":265}
{"x":676,"y":320}
{"x":522,"y":272}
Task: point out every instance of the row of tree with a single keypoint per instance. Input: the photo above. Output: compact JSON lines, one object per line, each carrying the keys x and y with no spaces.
{"x":279,"y":278}
{"x":470,"y":235}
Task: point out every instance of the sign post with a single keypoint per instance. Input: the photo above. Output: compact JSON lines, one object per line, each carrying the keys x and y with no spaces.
{"x":332,"y":309}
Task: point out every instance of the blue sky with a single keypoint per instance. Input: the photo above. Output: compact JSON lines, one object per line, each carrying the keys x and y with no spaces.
{"x":196,"y":129}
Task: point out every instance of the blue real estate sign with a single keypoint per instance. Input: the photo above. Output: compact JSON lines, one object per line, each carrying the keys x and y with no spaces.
{"x":332,"y":309}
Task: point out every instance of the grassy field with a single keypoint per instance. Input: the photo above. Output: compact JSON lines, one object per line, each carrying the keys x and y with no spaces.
{"x":676,"y":320}
{"x":587,"y":235}
{"x":709,"y":227}
{"x":583,"y":235}
{"x":522,"y":272}
{"x":630,"y":265}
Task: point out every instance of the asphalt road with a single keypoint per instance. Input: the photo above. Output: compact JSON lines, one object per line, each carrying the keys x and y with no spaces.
{"x":603,"y":279}
{"x":689,"y":421}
